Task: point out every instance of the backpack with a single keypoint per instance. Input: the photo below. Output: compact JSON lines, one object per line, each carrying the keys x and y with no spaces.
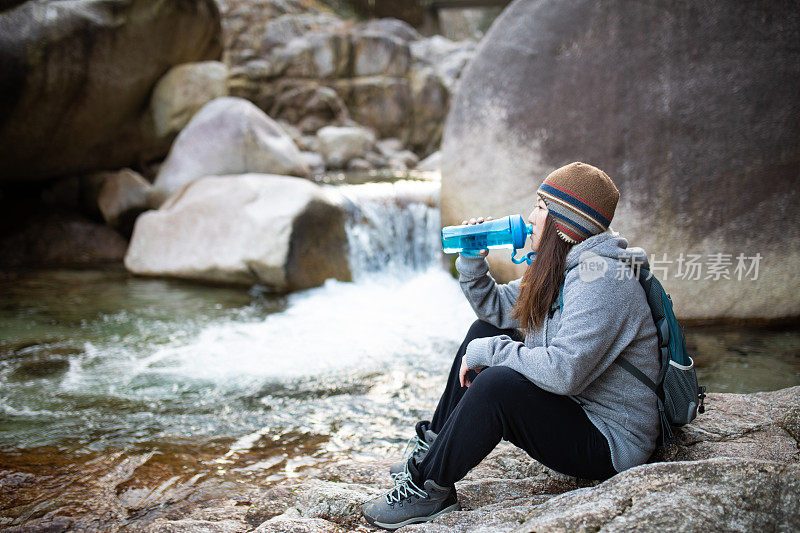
{"x":680,"y":397}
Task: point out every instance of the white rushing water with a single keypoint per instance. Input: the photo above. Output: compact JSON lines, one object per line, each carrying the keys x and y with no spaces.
{"x":356,"y":361}
{"x":401,"y":302}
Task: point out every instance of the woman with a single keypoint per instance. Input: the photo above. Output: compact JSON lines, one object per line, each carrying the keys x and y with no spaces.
{"x":553,"y":391}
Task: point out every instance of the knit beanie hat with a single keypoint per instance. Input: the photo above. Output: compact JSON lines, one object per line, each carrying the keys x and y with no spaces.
{"x":581,"y":198}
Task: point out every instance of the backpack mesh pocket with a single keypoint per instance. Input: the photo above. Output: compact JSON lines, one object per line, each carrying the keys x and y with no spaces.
{"x":680,"y":393}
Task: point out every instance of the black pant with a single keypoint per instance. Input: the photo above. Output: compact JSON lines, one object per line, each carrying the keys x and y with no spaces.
{"x":501,"y":403}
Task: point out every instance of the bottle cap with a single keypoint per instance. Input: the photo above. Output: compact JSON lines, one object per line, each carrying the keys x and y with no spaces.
{"x":519,"y":231}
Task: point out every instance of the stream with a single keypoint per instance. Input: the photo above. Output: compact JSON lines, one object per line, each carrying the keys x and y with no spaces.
{"x":154,"y":386}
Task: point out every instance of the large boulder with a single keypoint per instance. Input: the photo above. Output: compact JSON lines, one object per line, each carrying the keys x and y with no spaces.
{"x":77,"y":79}
{"x":183,"y":91}
{"x":691,"y":108}
{"x":228,"y":136}
{"x":279,"y":231}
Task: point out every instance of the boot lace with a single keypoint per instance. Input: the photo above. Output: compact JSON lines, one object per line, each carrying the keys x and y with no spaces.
{"x":420,"y":446}
{"x":403,"y":489}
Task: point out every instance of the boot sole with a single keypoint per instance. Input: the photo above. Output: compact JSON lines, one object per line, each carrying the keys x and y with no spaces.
{"x":417,"y":520}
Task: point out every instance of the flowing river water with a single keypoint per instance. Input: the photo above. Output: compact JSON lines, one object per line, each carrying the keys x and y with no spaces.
{"x":147,"y":386}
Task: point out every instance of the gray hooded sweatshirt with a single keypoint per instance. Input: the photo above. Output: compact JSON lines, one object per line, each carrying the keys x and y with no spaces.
{"x":605,"y":315}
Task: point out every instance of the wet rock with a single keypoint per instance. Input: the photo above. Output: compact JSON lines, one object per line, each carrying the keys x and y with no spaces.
{"x":279,"y":231}
{"x":79,"y":103}
{"x":58,"y":237}
{"x":43,"y":368}
{"x":663,"y":120}
{"x":374,"y":473}
{"x":183,"y":91}
{"x":190,"y":526}
{"x":338,"y":145}
{"x":47,"y":524}
{"x":228,"y":136}
{"x":123,"y":196}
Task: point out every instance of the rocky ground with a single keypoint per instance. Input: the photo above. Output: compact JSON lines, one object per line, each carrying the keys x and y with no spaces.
{"x":736,"y":468}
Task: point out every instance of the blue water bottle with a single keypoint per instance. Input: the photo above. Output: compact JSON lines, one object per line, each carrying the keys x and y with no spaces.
{"x":507,"y":232}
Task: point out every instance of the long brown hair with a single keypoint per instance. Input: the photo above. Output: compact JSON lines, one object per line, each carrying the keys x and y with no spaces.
{"x":542,"y":280}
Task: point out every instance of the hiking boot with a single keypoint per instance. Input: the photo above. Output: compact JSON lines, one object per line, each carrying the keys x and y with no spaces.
{"x":407,"y":504}
{"x":422,"y":443}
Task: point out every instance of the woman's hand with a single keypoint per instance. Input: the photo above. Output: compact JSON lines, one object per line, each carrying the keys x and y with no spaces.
{"x":478,"y":220}
{"x":462,"y":374}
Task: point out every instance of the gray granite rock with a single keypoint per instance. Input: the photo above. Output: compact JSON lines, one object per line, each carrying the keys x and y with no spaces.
{"x":692,"y":110}
{"x":227,"y":136}
{"x":78,"y":76}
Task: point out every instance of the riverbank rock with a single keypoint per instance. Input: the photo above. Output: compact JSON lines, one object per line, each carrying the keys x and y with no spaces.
{"x":122,"y":197}
{"x":42,"y":236}
{"x":183,"y":91}
{"x":279,"y":231}
{"x":77,"y":79}
{"x":672,"y":85}
{"x":735,"y":467}
{"x":227,"y":136}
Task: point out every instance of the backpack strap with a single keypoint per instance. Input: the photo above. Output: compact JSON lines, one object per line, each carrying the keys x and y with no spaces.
{"x":638,"y":374}
{"x":667,"y":436}
{"x":558,"y":304}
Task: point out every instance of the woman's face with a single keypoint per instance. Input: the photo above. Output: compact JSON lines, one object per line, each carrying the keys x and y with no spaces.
{"x":536,"y":219}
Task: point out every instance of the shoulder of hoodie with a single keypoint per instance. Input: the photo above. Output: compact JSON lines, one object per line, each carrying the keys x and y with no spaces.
{"x":611,"y":280}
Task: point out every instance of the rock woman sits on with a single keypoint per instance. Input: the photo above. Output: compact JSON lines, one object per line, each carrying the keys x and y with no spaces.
{"x":553,"y":391}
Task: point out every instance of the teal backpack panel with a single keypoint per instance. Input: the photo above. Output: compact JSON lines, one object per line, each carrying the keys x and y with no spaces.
{"x":680,"y":397}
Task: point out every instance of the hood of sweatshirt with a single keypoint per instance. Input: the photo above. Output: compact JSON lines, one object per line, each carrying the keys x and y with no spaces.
{"x":608,"y":244}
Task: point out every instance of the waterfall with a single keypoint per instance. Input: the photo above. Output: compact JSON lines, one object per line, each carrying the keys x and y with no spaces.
{"x":392,"y":227}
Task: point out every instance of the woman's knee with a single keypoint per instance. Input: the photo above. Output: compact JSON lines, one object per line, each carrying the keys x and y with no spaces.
{"x":496,"y":382}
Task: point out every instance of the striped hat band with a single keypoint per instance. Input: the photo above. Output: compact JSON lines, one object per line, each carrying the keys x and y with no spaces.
{"x":582,"y":200}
